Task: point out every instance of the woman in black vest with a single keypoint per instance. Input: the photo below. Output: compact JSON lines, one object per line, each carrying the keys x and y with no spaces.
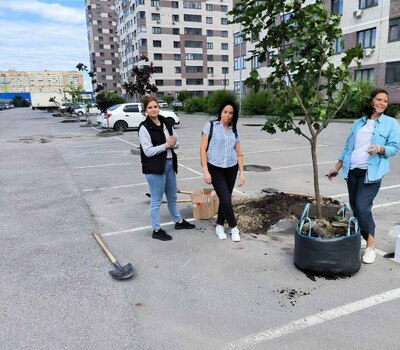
{"x":159,"y":164}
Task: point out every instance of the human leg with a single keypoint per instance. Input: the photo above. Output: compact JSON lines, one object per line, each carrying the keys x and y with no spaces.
{"x":170,"y":191}
{"x":156,"y":186}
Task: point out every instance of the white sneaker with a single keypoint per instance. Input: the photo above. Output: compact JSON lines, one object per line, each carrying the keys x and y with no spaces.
{"x":235,"y":234}
{"x":219,"y":231}
{"x":369,"y":256}
{"x":363,"y":243}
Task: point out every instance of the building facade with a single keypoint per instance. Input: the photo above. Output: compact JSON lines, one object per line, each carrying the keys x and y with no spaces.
{"x":39,"y":81}
{"x":188,"y":42}
{"x":375,"y":24}
{"x":103,"y":44}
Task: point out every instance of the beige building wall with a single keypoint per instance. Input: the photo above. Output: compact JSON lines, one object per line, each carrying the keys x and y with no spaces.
{"x":40,"y":81}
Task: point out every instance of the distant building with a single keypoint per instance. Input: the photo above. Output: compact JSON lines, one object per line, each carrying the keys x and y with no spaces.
{"x":39,"y":81}
{"x":189,"y":43}
{"x":375,"y":24}
{"x":103,"y":44}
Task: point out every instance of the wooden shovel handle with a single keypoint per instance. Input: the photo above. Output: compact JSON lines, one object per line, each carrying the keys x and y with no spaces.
{"x":183,"y":200}
{"x":184,"y":192}
{"x":103,"y":246}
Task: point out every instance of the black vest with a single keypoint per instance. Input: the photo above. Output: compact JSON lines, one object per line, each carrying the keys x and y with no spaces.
{"x":156,"y":164}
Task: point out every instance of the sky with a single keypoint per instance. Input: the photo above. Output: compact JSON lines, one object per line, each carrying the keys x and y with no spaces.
{"x":43,"y":34}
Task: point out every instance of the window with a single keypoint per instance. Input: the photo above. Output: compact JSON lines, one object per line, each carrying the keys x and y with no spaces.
{"x":210,"y":70}
{"x":192,"y":43}
{"x":237,"y":38}
{"x":209,"y":7}
{"x":177,"y":44}
{"x":193,"y":56}
{"x":210,"y":33}
{"x":337,"y":7}
{"x":210,"y":58}
{"x":155,"y":16}
{"x":254,"y":62}
{"x":366,"y":38}
{"x":159,"y":82}
{"x":364,"y":74}
{"x":194,"y":81}
{"x":224,"y":8}
{"x":194,"y":69}
{"x":224,"y":58}
{"x":177,"y":57}
{"x":192,"y":4}
{"x":158,"y":69}
{"x":210,"y":46}
{"x":155,"y":3}
{"x":193,"y":31}
{"x":175,"y":4}
{"x":211,"y":82}
{"x":394,"y":29}
{"x":337,"y":47}
{"x":177,"y":70}
{"x":224,"y":46}
{"x":224,"y":33}
{"x":178,"y":82}
{"x":131,"y":108}
{"x":175,"y":31}
{"x":191,"y":18}
{"x":224,"y":21}
{"x":175,"y":18}
{"x":225,"y":70}
{"x":368,"y":3}
{"x":156,"y":43}
{"x":239,"y":63}
{"x":392,"y":72}
{"x":156,"y":30}
{"x":209,"y":20}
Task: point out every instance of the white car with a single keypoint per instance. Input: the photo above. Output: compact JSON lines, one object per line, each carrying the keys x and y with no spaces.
{"x":162,"y":104}
{"x":81,"y":111}
{"x":129,"y":115}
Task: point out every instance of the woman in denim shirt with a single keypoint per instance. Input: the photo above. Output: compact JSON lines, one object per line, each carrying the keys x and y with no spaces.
{"x":365,"y":160}
{"x":221,"y":158}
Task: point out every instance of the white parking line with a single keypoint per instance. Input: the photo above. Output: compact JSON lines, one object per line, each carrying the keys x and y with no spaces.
{"x":283,"y":149}
{"x":301,"y":165}
{"x":381,"y":189}
{"x":309,"y":321}
{"x":129,"y":143}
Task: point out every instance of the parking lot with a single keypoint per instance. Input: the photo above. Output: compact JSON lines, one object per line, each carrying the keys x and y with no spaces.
{"x":61,"y":181}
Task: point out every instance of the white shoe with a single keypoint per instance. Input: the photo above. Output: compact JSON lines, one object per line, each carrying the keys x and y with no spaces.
{"x":235,"y":234}
{"x":219,"y":231}
{"x":363,"y":243}
{"x":369,"y":256}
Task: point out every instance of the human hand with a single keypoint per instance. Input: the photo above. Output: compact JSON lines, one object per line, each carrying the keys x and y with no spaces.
{"x":242,"y":180}
{"x":171,"y":141}
{"x":207,"y":177}
{"x":332,"y":173}
{"x":373,"y":149}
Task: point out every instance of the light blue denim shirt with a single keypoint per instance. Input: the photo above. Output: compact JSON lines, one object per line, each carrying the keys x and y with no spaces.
{"x":386,"y":133}
{"x":221,"y":151}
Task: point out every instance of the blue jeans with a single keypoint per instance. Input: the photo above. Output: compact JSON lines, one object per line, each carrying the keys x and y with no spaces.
{"x":361,"y":197}
{"x":160,"y":184}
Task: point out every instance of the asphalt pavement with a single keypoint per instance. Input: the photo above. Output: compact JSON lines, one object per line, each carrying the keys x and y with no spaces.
{"x":60,"y":182}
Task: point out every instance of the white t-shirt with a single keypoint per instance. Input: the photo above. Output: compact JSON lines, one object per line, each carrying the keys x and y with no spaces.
{"x":359,"y":156}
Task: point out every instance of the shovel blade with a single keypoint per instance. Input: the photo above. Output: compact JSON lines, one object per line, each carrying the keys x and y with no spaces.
{"x":122,"y":272}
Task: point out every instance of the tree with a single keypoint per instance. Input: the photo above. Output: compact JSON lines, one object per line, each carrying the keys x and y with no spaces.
{"x":140,"y":85}
{"x":97,"y":87}
{"x":75,"y":93}
{"x":18,"y":101}
{"x":297,"y":41}
{"x":106,"y":99}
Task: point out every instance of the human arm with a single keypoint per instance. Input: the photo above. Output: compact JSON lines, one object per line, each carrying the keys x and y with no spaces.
{"x":335,"y":170}
{"x":147,"y":146}
{"x":239,"y":153}
{"x":174,"y":140}
{"x":203,"y":158}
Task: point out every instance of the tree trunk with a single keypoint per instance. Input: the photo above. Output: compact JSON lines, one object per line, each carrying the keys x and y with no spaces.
{"x":315,"y":172}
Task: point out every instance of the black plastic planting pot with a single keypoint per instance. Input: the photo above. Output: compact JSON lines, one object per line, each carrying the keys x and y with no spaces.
{"x":328,"y":256}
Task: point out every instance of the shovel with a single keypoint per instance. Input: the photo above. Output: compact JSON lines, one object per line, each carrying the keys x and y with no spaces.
{"x":120,"y":272}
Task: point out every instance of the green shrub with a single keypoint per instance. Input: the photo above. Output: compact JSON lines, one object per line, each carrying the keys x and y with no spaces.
{"x":393,"y":110}
{"x":258,"y":103}
{"x":195,"y":105}
{"x":219,"y":98}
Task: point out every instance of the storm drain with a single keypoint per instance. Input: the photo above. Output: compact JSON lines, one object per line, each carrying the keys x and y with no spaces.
{"x":257,"y":168}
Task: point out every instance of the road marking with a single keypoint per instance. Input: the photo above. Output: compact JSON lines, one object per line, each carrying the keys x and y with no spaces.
{"x":381,"y":189}
{"x":130,"y":230}
{"x":309,"y":321}
{"x":283,"y":149}
{"x":129,"y":143}
{"x":101,"y":166}
{"x":300,"y":165}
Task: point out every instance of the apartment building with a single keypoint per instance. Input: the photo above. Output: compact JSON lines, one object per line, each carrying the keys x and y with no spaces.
{"x":39,"y":81}
{"x":375,"y":24}
{"x":103,"y":44}
{"x":189,"y":43}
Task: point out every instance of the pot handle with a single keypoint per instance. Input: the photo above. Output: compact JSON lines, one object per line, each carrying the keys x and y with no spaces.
{"x":352,"y":219}
{"x":304,"y":218}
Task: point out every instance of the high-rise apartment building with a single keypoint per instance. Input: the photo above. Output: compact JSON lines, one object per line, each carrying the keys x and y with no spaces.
{"x":39,"y":81}
{"x":103,"y":44}
{"x":189,"y":43}
{"x":375,"y":24}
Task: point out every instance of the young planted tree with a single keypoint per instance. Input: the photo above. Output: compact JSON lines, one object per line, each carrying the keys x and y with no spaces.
{"x":140,"y":84}
{"x":97,"y":87}
{"x":297,"y":40}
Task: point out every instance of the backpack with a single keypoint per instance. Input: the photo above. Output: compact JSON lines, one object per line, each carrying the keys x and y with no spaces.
{"x":211,"y":133}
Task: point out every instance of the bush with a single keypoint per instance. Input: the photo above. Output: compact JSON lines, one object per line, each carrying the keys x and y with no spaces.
{"x":393,"y":110}
{"x":219,"y":98}
{"x":105,"y":100}
{"x":258,"y":103}
{"x":195,"y":105}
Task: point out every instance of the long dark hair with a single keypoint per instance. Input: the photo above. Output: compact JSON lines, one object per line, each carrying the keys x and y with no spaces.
{"x":235,"y":117}
{"x":368,"y":108}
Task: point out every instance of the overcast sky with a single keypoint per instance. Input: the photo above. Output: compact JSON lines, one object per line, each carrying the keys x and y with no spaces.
{"x":43,"y":34}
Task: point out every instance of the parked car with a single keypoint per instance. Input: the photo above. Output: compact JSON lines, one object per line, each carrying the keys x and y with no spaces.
{"x":83,"y":110}
{"x":176,"y":103}
{"x":69,"y":107}
{"x":128,"y":115}
{"x":162,"y":104}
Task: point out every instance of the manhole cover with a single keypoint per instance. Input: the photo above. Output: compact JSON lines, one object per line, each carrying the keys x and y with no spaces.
{"x":257,"y":168}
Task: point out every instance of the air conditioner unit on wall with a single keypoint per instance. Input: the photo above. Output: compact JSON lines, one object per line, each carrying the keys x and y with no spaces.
{"x":357,"y":13}
{"x":368,"y":52}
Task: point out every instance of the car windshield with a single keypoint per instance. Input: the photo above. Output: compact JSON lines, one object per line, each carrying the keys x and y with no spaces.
{"x":113,"y":107}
